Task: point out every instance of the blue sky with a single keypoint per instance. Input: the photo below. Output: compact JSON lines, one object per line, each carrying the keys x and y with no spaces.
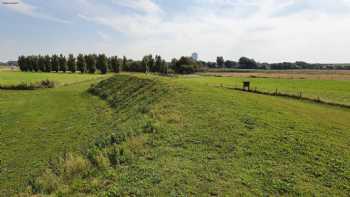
{"x":267,"y":30}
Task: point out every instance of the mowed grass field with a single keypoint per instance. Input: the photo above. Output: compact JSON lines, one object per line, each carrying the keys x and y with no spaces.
{"x":283,"y":74}
{"x":11,"y":78}
{"x":336,"y":91}
{"x":38,"y":125}
{"x":183,"y":136}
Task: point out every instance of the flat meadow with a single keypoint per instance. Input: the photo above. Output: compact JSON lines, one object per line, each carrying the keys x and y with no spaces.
{"x":8,"y":77}
{"x":329,"y":86}
{"x":283,"y":74}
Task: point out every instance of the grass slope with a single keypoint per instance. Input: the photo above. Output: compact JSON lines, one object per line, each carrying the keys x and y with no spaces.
{"x":41,"y":124}
{"x":179,"y":137}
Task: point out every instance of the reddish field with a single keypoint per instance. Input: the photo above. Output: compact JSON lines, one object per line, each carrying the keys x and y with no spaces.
{"x":289,"y":74}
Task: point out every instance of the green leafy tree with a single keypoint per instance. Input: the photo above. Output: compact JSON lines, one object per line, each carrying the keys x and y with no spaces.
{"x":115,"y":65}
{"x":22,"y":63}
{"x":72,"y":65}
{"x":164,"y":67}
{"x":41,"y":63}
{"x":91,"y":63}
{"x":147,"y":64}
{"x":63,"y":63}
{"x":81,"y":63}
{"x":157,"y":64}
{"x":220,"y":61}
{"x":124,"y":63}
{"x":48,"y":65}
{"x":185,"y":65}
{"x":29,"y":63}
{"x":55,"y":63}
{"x":109,"y":62}
{"x":136,"y":66}
{"x":173,"y":63}
{"x":35,"y":65}
{"x":102,"y":62}
{"x":247,"y":63}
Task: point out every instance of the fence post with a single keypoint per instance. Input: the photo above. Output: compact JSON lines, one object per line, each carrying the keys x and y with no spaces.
{"x":246,"y":86}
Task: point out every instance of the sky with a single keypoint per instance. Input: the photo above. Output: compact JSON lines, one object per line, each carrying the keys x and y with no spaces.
{"x":316,"y":31}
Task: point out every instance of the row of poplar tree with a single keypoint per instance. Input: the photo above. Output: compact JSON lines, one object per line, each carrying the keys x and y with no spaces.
{"x":91,"y":63}
{"x":59,"y":63}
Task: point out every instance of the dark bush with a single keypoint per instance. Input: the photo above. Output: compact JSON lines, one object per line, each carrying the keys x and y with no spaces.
{"x":185,"y":65}
{"x":47,"y":84}
{"x":186,"y":69}
{"x":136,"y":66}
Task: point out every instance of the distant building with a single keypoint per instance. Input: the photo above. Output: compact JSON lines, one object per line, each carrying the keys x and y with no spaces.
{"x":195,"y":56}
{"x":12,"y":63}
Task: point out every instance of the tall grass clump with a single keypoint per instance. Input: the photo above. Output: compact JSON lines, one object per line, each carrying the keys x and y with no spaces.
{"x":30,"y":86}
{"x":75,"y":165}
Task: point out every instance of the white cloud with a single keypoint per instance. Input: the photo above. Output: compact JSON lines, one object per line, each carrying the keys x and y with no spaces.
{"x":146,"y":6}
{"x":268,"y":30}
{"x":30,"y":10}
{"x":104,"y":36}
{"x":236,"y":28}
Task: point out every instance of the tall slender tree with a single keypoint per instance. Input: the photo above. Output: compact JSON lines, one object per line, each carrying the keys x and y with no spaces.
{"x":164,"y":67}
{"x":147,"y":63}
{"x":91,"y":63}
{"x":48,"y":65}
{"x":72,"y":65}
{"x":102,"y":62}
{"x":63,"y":63}
{"x":158,"y":64}
{"x":35,"y":65}
{"x":81,"y":64}
{"x":22,"y":63}
{"x":124,"y":63}
{"x":55,"y":63}
{"x":41,"y":63}
{"x":29,"y":63}
{"x":115,"y":65}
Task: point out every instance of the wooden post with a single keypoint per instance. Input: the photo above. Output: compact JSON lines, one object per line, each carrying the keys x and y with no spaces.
{"x":246,"y":85}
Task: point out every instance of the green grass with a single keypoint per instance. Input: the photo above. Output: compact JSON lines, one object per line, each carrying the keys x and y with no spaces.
{"x":42,"y":124}
{"x":12,"y":78}
{"x":181,"y":137}
{"x":337,"y":91}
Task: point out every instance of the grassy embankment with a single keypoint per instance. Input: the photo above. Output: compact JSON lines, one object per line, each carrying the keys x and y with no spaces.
{"x":179,"y":136}
{"x":38,"y":125}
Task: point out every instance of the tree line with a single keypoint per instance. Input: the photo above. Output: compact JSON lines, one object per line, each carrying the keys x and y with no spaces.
{"x":249,"y":63}
{"x":91,"y":63}
{"x":59,"y":63}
